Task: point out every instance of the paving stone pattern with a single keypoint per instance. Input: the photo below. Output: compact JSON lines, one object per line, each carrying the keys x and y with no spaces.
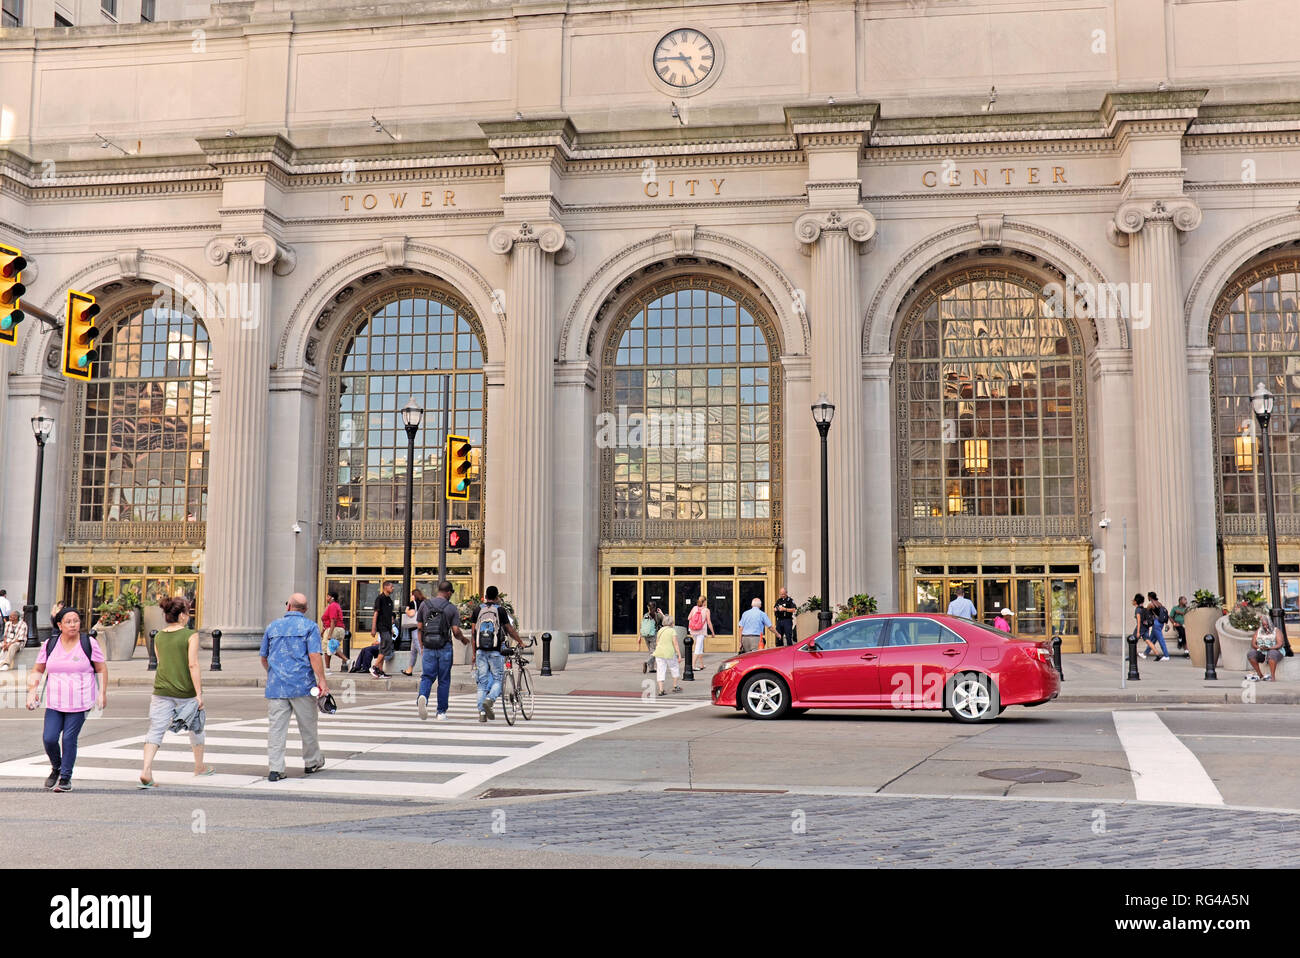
{"x":862,"y":831}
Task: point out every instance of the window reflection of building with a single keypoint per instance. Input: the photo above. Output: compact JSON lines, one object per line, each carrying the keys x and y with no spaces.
{"x":146,"y":423}
{"x":399,"y":347}
{"x":690,"y":411}
{"x":988,"y":406}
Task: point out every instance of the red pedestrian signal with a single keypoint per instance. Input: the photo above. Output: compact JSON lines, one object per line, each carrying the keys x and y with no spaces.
{"x":457,"y":539}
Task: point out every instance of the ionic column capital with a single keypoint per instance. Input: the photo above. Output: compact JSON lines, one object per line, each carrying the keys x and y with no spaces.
{"x":550,"y":237}
{"x":263,"y":249}
{"x":1133,"y":215}
{"x":857,"y":223}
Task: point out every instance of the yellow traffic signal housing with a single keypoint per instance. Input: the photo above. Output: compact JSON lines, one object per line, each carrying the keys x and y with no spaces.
{"x":80,"y":335}
{"x":12,"y":264}
{"x":459,"y":451}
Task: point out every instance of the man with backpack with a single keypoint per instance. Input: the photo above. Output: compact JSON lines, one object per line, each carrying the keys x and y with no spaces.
{"x":651,"y":623}
{"x":1155,"y":621}
{"x":489,"y":626}
{"x":438,"y":619}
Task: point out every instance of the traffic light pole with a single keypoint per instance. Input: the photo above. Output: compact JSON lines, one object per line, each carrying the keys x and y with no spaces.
{"x":30,"y":607}
{"x":442,"y":482}
{"x":53,"y":322}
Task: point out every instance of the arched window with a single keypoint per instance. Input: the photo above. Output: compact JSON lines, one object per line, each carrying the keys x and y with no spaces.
{"x":1256,"y":337}
{"x":145,"y":429}
{"x":401,"y":344}
{"x":689,"y":429}
{"x":990,"y":412}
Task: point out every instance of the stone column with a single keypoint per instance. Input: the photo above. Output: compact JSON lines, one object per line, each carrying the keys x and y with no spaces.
{"x":1200,"y":452}
{"x":1114,"y":472}
{"x":234,"y":570}
{"x":526,"y":506}
{"x":1166,"y":543}
{"x":835,"y":321}
{"x":880,"y":536}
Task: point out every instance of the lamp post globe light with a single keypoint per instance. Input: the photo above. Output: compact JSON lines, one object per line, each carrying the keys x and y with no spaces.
{"x":1262,"y":404}
{"x":823,"y":412}
{"x":412,"y":416}
{"x":42,"y":426}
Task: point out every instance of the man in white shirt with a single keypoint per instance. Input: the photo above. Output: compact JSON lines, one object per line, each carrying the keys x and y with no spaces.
{"x":5,"y":607}
{"x":961,"y":606}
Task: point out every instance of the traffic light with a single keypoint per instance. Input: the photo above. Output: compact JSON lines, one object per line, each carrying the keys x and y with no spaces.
{"x":11,"y":293}
{"x":79,"y":335}
{"x":459,"y":450}
{"x":457,"y":539}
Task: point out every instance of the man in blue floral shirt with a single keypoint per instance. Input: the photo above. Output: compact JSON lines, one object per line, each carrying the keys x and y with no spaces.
{"x":291,"y":655}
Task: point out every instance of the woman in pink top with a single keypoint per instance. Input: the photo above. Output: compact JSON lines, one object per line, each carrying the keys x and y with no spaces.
{"x":72,"y":689}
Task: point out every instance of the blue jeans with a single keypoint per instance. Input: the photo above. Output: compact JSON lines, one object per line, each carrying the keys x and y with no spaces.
{"x":489,"y":669}
{"x":67,"y":724}
{"x":437,"y":668}
{"x":1157,"y":634}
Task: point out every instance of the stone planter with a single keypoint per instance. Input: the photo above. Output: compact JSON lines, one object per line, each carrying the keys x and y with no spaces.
{"x":559,"y":653}
{"x":154,"y":620}
{"x":805,"y":625}
{"x":118,"y":641}
{"x":1235,"y":645}
{"x":1198,"y":623}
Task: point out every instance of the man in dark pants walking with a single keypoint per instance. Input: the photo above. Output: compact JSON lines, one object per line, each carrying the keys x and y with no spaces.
{"x":439,"y":620}
{"x":785,"y":608}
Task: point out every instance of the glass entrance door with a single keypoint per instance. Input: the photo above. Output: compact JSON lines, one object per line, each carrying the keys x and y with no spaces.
{"x":1030,"y":609}
{"x":721,"y":600}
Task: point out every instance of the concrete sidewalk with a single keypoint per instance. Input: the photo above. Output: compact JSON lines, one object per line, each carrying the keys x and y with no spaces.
{"x":1089,"y":679}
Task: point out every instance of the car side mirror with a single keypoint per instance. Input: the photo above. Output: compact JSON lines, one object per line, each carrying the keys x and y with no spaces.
{"x":812,"y":646}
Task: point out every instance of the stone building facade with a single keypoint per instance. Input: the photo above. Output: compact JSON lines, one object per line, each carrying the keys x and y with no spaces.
{"x":1037,"y":254}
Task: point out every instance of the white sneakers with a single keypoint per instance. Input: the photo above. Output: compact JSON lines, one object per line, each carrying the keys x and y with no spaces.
{"x":440,"y":717}
{"x":422,"y":706}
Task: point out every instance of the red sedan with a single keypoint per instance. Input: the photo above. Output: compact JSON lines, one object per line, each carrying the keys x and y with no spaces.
{"x":892,"y":661}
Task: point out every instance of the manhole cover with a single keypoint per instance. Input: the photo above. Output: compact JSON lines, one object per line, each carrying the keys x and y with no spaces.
{"x":1029,"y":775}
{"x":521,"y":792}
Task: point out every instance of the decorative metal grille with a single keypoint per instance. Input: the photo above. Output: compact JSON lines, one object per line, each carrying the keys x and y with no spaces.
{"x":990,"y":409}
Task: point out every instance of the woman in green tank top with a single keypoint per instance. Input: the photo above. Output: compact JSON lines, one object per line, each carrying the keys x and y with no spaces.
{"x":177,"y":686}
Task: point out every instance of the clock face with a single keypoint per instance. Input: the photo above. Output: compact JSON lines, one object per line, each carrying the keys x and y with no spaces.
{"x":684,"y":58}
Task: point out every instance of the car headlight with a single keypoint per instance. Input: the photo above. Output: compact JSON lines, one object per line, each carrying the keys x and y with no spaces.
{"x":729,"y":664}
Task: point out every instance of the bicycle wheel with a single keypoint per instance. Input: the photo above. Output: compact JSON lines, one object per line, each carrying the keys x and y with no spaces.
{"x":525,"y":694}
{"x":509,"y":697}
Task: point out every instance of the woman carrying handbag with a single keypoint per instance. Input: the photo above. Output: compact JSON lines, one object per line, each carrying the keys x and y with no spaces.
{"x":410,"y":628}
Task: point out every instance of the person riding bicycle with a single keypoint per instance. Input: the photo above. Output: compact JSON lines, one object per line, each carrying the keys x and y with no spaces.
{"x":490,"y":625}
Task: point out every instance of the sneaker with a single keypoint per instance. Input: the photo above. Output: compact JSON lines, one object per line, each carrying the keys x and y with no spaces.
{"x":422,"y":706}
{"x":276,"y":776}
{"x":1267,"y":678}
{"x":52,"y":778}
{"x":440,"y":717}
{"x":487,"y":707}
{"x":313,"y":769}
{"x":1142,"y":655}
{"x":1252,"y":678}
{"x":64,"y":785}
{"x":482,"y":717}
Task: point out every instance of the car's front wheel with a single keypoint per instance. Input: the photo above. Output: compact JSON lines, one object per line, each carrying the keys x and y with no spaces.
{"x":765,"y":696}
{"x":973,"y":697}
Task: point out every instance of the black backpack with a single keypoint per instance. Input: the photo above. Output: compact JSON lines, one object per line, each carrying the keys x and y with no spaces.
{"x":1147,"y":617}
{"x":435,"y":631}
{"x":85,"y":647}
{"x":1162,"y":614}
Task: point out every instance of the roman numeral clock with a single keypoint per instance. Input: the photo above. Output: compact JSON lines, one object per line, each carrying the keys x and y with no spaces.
{"x":686,"y":61}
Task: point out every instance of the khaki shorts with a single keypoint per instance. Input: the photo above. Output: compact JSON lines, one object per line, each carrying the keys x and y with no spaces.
{"x":748,"y":643}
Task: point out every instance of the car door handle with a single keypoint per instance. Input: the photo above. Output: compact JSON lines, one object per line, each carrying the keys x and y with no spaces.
{"x":869,"y":656}
{"x":951,"y":652}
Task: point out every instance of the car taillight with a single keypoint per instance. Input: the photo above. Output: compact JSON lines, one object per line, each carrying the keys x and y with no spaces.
{"x":1038,"y":654}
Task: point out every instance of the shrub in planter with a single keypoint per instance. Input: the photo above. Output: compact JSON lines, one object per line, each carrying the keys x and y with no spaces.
{"x":861,"y":604}
{"x":1205,"y":599}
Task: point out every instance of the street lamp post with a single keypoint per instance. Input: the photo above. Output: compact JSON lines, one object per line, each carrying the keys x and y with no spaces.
{"x":823,"y":412}
{"x":1262,"y":403}
{"x":412,"y":415}
{"x":41,"y":426}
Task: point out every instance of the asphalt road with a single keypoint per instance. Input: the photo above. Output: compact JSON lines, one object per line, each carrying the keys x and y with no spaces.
{"x":1138,"y":786}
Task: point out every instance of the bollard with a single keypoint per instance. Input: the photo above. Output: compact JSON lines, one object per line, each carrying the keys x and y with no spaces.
{"x":688,"y":646}
{"x":546,"y":653}
{"x":216,"y":651}
{"x":1056,"y":656}
{"x":347,"y":645}
{"x":1210,"y":673}
{"x":1133,"y":658}
{"x":153,"y":652}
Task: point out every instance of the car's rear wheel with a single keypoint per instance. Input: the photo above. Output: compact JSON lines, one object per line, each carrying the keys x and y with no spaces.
{"x":765,"y":696}
{"x":973,"y":697}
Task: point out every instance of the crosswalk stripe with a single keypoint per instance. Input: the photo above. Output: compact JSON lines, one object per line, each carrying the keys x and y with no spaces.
{"x":436,"y":761}
{"x":1163,"y":768}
